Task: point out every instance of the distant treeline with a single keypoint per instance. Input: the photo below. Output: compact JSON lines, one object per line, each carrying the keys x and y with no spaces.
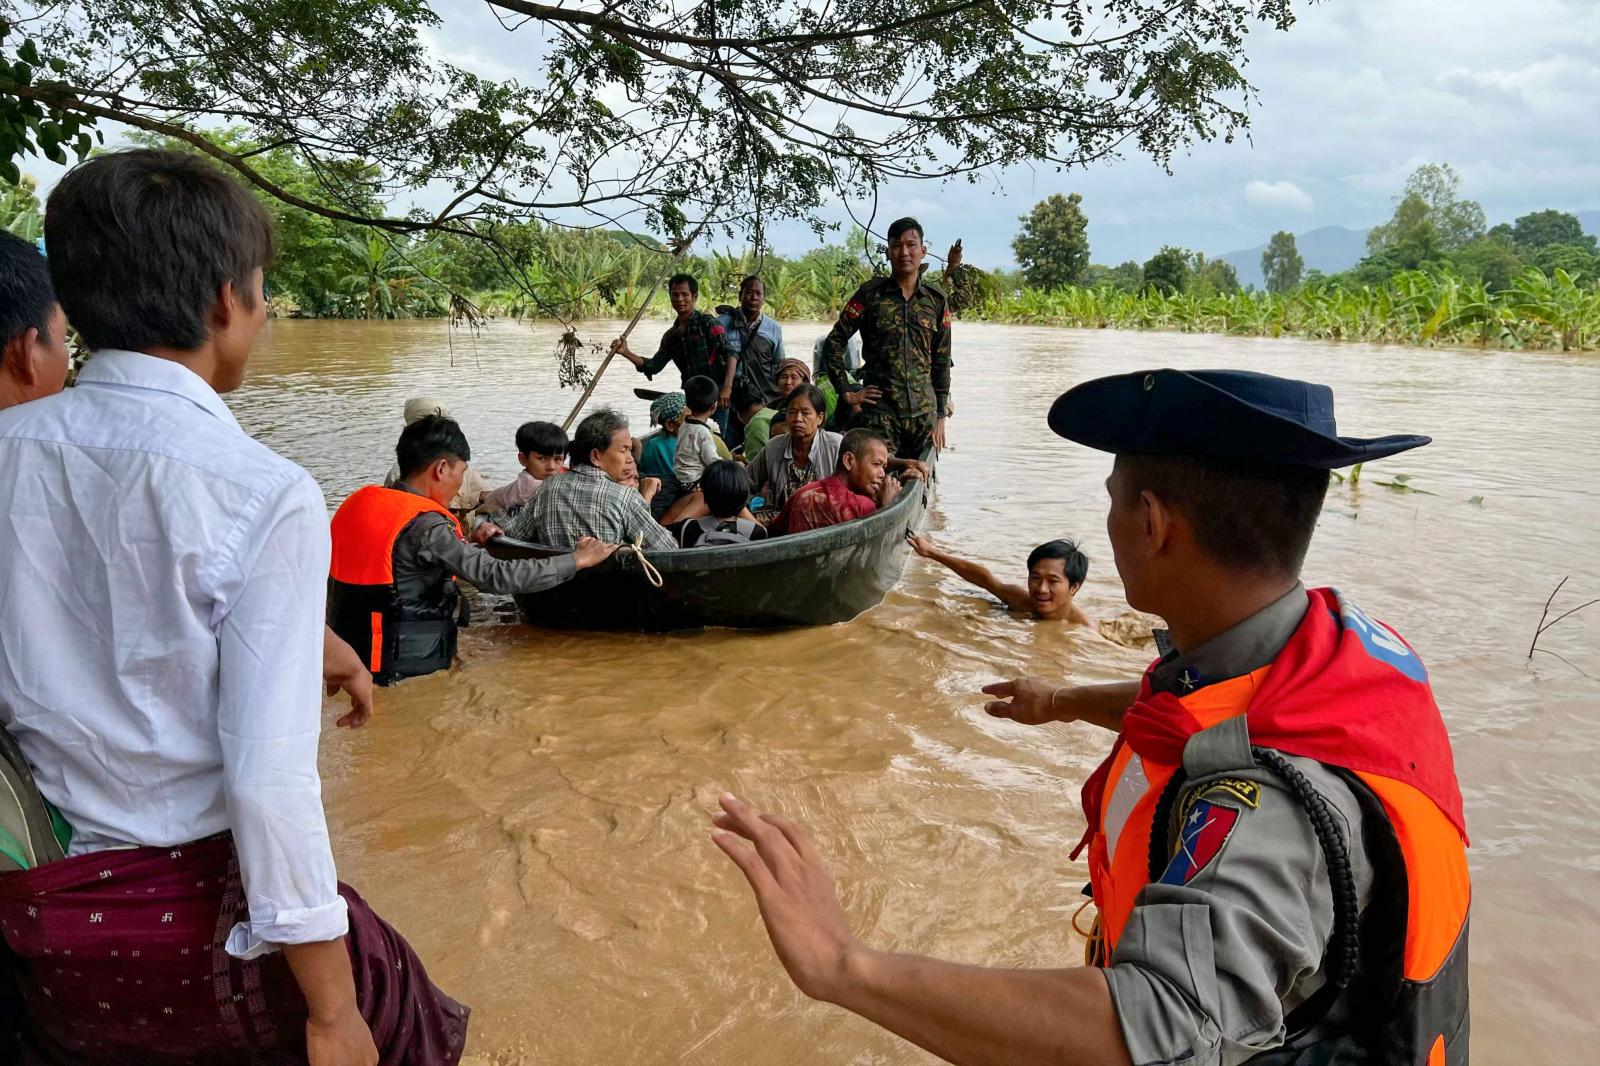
{"x":1434,"y":274}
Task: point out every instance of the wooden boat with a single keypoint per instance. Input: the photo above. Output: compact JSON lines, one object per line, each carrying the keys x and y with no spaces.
{"x":818,"y":577}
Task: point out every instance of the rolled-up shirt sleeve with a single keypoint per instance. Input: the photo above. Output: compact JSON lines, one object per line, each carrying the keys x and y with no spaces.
{"x":269,"y":698}
{"x":1206,"y":971}
{"x":641,"y":523}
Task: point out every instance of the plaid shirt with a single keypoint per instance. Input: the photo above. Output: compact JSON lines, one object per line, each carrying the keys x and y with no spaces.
{"x":696,"y":349}
{"x":584,"y":502}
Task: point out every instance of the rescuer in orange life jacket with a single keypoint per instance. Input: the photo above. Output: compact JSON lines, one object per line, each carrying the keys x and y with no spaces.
{"x":397,"y":552}
{"x":1275,"y":844}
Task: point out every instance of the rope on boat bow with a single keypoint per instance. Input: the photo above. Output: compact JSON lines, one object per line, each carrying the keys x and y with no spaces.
{"x":646,"y":567}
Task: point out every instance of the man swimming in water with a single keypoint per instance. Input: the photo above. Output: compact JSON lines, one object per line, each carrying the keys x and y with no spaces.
{"x":1056,"y":571}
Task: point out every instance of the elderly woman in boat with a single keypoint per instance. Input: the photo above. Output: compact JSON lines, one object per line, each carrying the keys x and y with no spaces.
{"x":804,"y":454}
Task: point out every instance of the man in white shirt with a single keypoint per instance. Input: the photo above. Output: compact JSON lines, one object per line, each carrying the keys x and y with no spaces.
{"x":162,"y":579}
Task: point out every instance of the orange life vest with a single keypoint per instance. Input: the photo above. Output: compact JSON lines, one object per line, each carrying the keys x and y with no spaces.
{"x":397,"y":637}
{"x":1425,"y":890}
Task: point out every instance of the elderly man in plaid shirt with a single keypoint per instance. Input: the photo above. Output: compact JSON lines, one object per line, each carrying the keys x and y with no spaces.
{"x":593,"y":499}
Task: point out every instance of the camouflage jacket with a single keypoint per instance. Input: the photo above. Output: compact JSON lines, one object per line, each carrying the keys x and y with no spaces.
{"x":905,"y":346}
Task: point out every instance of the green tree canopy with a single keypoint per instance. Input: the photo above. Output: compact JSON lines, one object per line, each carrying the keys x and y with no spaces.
{"x":1053,"y":246}
{"x":742,"y":111}
{"x":1125,"y":277}
{"x":1539,"y":228}
{"x":20,"y":212}
{"x":1431,"y":199}
{"x":1579,"y":262}
{"x":1282,"y":263}
{"x":1408,"y":240}
{"x":1488,"y":259}
{"x":1167,"y":271}
{"x":1211,"y":277}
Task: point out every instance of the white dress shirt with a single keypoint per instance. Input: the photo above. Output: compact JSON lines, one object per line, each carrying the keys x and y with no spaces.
{"x":162,"y":579}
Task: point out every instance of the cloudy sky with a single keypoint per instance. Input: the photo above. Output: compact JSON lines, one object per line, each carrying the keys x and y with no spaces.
{"x":1354,"y":97}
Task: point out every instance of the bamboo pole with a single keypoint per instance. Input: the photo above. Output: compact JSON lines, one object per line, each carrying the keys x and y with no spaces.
{"x":588,"y":391}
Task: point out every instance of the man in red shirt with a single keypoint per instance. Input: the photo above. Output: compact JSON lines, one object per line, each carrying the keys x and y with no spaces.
{"x":859,"y":486}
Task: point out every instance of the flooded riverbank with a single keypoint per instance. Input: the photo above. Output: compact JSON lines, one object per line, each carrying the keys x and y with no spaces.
{"x":535,"y":821}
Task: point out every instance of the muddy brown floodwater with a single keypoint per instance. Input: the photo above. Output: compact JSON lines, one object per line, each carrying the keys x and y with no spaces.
{"x":536,"y":819}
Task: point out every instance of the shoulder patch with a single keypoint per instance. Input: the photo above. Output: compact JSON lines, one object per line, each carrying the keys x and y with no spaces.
{"x":946,"y":322}
{"x":854,"y":309}
{"x":1246,"y":792}
{"x":1206,"y":828}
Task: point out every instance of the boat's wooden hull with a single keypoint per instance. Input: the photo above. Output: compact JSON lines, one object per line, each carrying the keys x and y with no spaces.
{"x":814,"y":578}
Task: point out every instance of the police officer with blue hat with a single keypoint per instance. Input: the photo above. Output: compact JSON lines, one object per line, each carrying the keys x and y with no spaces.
{"x":1275,"y":840}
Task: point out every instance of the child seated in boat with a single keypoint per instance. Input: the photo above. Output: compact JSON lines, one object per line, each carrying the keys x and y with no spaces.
{"x":541,"y":447}
{"x":861,"y":484}
{"x":655,"y":451}
{"x":1057,"y":569}
{"x":726,"y":489}
{"x":698,"y":448}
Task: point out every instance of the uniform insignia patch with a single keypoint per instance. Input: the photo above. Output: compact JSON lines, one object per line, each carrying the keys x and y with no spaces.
{"x":1246,"y":792}
{"x":946,"y":322}
{"x":853,"y":309}
{"x":1206,"y":829}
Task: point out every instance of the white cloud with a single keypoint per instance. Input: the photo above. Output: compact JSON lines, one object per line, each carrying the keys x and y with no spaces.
{"x":1284,"y":195}
{"x":922,"y":207}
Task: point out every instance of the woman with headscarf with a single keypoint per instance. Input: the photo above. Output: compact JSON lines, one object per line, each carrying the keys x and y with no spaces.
{"x":792,"y":373}
{"x":656,"y":450}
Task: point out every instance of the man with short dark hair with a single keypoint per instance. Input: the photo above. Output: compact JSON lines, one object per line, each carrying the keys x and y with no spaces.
{"x":755,"y":340}
{"x":695,"y":343}
{"x":1276,"y":843}
{"x":858,"y":487}
{"x":904,"y":324}
{"x":593,"y":499}
{"x":33,"y":328}
{"x":187,"y":569}
{"x":397,"y":553}
{"x":1057,"y":569}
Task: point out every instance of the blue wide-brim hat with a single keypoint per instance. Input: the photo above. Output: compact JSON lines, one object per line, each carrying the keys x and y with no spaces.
{"x":1231,"y":415}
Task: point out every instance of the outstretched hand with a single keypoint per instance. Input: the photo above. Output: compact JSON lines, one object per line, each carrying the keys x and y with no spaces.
{"x":591,"y":552}
{"x":953,"y":260}
{"x":866,"y":396}
{"x":794,"y":892}
{"x":922,"y":546}
{"x":1025,"y":700}
{"x":486,"y":532}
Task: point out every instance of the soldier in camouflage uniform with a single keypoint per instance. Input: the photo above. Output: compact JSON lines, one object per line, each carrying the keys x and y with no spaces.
{"x":904,"y":324}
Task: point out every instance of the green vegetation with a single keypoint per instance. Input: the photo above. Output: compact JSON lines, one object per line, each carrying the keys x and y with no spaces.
{"x":1282,"y":264}
{"x":1540,"y":294}
{"x":1053,"y":246}
{"x":1434,"y":275}
{"x":1412,"y":307}
{"x":653,"y":116}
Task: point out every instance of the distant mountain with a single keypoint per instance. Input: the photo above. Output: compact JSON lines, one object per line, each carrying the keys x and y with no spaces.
{"x":1329,"y":249}
{"x":1590,"y":221}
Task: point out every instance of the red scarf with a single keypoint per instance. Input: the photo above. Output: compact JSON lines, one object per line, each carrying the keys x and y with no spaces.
{"x":1345,"y":690}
